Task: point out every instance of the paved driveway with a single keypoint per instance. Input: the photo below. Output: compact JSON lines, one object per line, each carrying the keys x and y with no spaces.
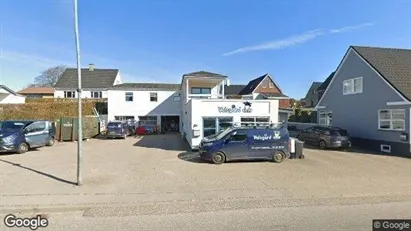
{"x":158,"y":168}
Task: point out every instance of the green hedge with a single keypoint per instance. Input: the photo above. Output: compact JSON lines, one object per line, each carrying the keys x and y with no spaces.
{"x":47,"y":109}
{"x":302,"y":115}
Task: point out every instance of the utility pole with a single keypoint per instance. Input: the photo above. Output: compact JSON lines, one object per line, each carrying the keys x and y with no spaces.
{"x":79,"y":125}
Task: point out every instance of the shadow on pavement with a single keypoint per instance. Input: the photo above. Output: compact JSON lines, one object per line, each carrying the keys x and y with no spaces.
{"x":39,"y":172}
{"x":171,"y":142}
{"x":191,"y":157}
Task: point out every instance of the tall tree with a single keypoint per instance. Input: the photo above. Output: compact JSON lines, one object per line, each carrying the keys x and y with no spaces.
{"x":49,"y":77}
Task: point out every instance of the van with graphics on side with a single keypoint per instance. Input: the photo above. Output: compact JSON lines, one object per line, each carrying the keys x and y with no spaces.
{"x":247,"y":143}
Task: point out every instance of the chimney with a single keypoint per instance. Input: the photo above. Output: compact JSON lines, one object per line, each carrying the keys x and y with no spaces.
{"x":91,"y":67}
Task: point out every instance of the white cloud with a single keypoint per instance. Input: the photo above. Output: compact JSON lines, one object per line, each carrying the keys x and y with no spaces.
{"x":296,"y":39}
{"x":32,"y":59}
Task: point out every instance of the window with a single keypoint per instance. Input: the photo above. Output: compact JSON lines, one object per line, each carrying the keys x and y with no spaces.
{"x":238,"y":136}
{"x":69,"y":94}
{"x":385,"y":148}
{"x":147,"y":120}
{"x":177,"y":99}
{"x":393,"y":119}
{"x":270,"y":84}
{"x":124,"y":118}
{"x":153,"y":97}
{"x":36,"y":127}
{"x":199,"y":90}
{"x":255,"y":121}
{"x":212,"y":125}
{"x":326,"y":118}
{"x":129,"y":96}
{"x":96,"y":94}
{"x":264,"y":84}
{"x":352,"y":86}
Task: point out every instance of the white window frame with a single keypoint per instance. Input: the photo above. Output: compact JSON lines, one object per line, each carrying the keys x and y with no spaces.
{"x":99,"y":94}
{"x":391,"y":120}
{"x":385,"y":148}
{"x":264,"y":84}
{"x":73,"y":93}
{"x":153,"y":97}
{"x":128,"y":94}
{"x":270,"y":84}
{"x":327,"y":121}
{"x":349,"y":86}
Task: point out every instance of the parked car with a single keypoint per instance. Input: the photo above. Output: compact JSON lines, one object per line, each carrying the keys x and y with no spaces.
{"x":325,"y":137}
{"x":20,"y":136}
{"x":118,"y":129}
{"x":246,"y":143}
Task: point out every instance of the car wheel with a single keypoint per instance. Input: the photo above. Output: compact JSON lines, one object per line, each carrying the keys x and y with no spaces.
{"x":22,"y":148}
{"x":218,"y":158}
{"x":278,"y":157}
{"x":50,"y":141}
{"x":322,"y":144}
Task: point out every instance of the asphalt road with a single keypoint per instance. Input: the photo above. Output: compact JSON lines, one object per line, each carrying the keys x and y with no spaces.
{"x":304,"y":217}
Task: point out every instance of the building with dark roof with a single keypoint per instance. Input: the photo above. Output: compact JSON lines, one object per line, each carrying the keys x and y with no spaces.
{"x":94,"y":82}
{"x":369,"y":95}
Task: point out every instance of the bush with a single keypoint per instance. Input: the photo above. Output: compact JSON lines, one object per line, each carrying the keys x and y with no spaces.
{"x":47,"y":109}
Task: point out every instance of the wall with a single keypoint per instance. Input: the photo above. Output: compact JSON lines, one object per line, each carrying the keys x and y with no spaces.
{"x":141,"y":106}
{"x":7,"y":98}
{"x":85,"y":94}
{"x":209,"y":108}
{"x":358,"y":113}
{"x":261,"y":89}
{"x":284,"y":103}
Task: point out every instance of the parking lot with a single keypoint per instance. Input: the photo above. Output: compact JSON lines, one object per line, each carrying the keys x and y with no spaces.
{"x":159,"y":168}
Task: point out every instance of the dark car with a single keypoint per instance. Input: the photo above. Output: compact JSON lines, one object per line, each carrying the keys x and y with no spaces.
{"x":118,"y":129}
{"x":246,"y":143}
{"x":325,"y":137}
{"x":20,"y":136}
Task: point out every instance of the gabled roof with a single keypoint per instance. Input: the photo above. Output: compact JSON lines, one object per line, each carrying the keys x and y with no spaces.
{"x":233,"y":89}
{"x":9,"y":90}
{"x":312,"y":89}
{"x":393,"y":64}
{"x":37,"y":90}
{"x":253,"y":84}
{"x":146,"y":87}
{"x":327,"y":81}
{"x":203,"y":74}
{"x":98,"y":78}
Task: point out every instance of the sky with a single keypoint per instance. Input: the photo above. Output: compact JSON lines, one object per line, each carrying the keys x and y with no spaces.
{"x":296,"y":41}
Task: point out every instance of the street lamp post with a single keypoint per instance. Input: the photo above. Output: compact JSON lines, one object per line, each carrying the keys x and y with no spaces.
{"x":79,"y":125}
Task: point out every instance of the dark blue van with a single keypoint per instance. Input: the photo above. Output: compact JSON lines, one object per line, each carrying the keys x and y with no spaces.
{"x":20,"y":136}
{"x":118,"y":129}
{"x":247,"y":143}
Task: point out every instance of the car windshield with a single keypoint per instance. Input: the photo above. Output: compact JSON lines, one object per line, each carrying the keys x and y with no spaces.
{"x":223,"y":133}
{"x":113,"y":125}
{"x":11,"y":125}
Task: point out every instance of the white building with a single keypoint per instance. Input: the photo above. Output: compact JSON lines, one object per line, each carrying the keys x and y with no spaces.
{"x":8,"y":96}
{"x":95,"y":82}
{"x":199,"y":105}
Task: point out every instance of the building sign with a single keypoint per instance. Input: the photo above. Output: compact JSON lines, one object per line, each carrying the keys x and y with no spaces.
{"x":234,"y":109}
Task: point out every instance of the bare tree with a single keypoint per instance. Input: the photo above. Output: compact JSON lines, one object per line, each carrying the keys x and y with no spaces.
{"x":49,"y":77}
